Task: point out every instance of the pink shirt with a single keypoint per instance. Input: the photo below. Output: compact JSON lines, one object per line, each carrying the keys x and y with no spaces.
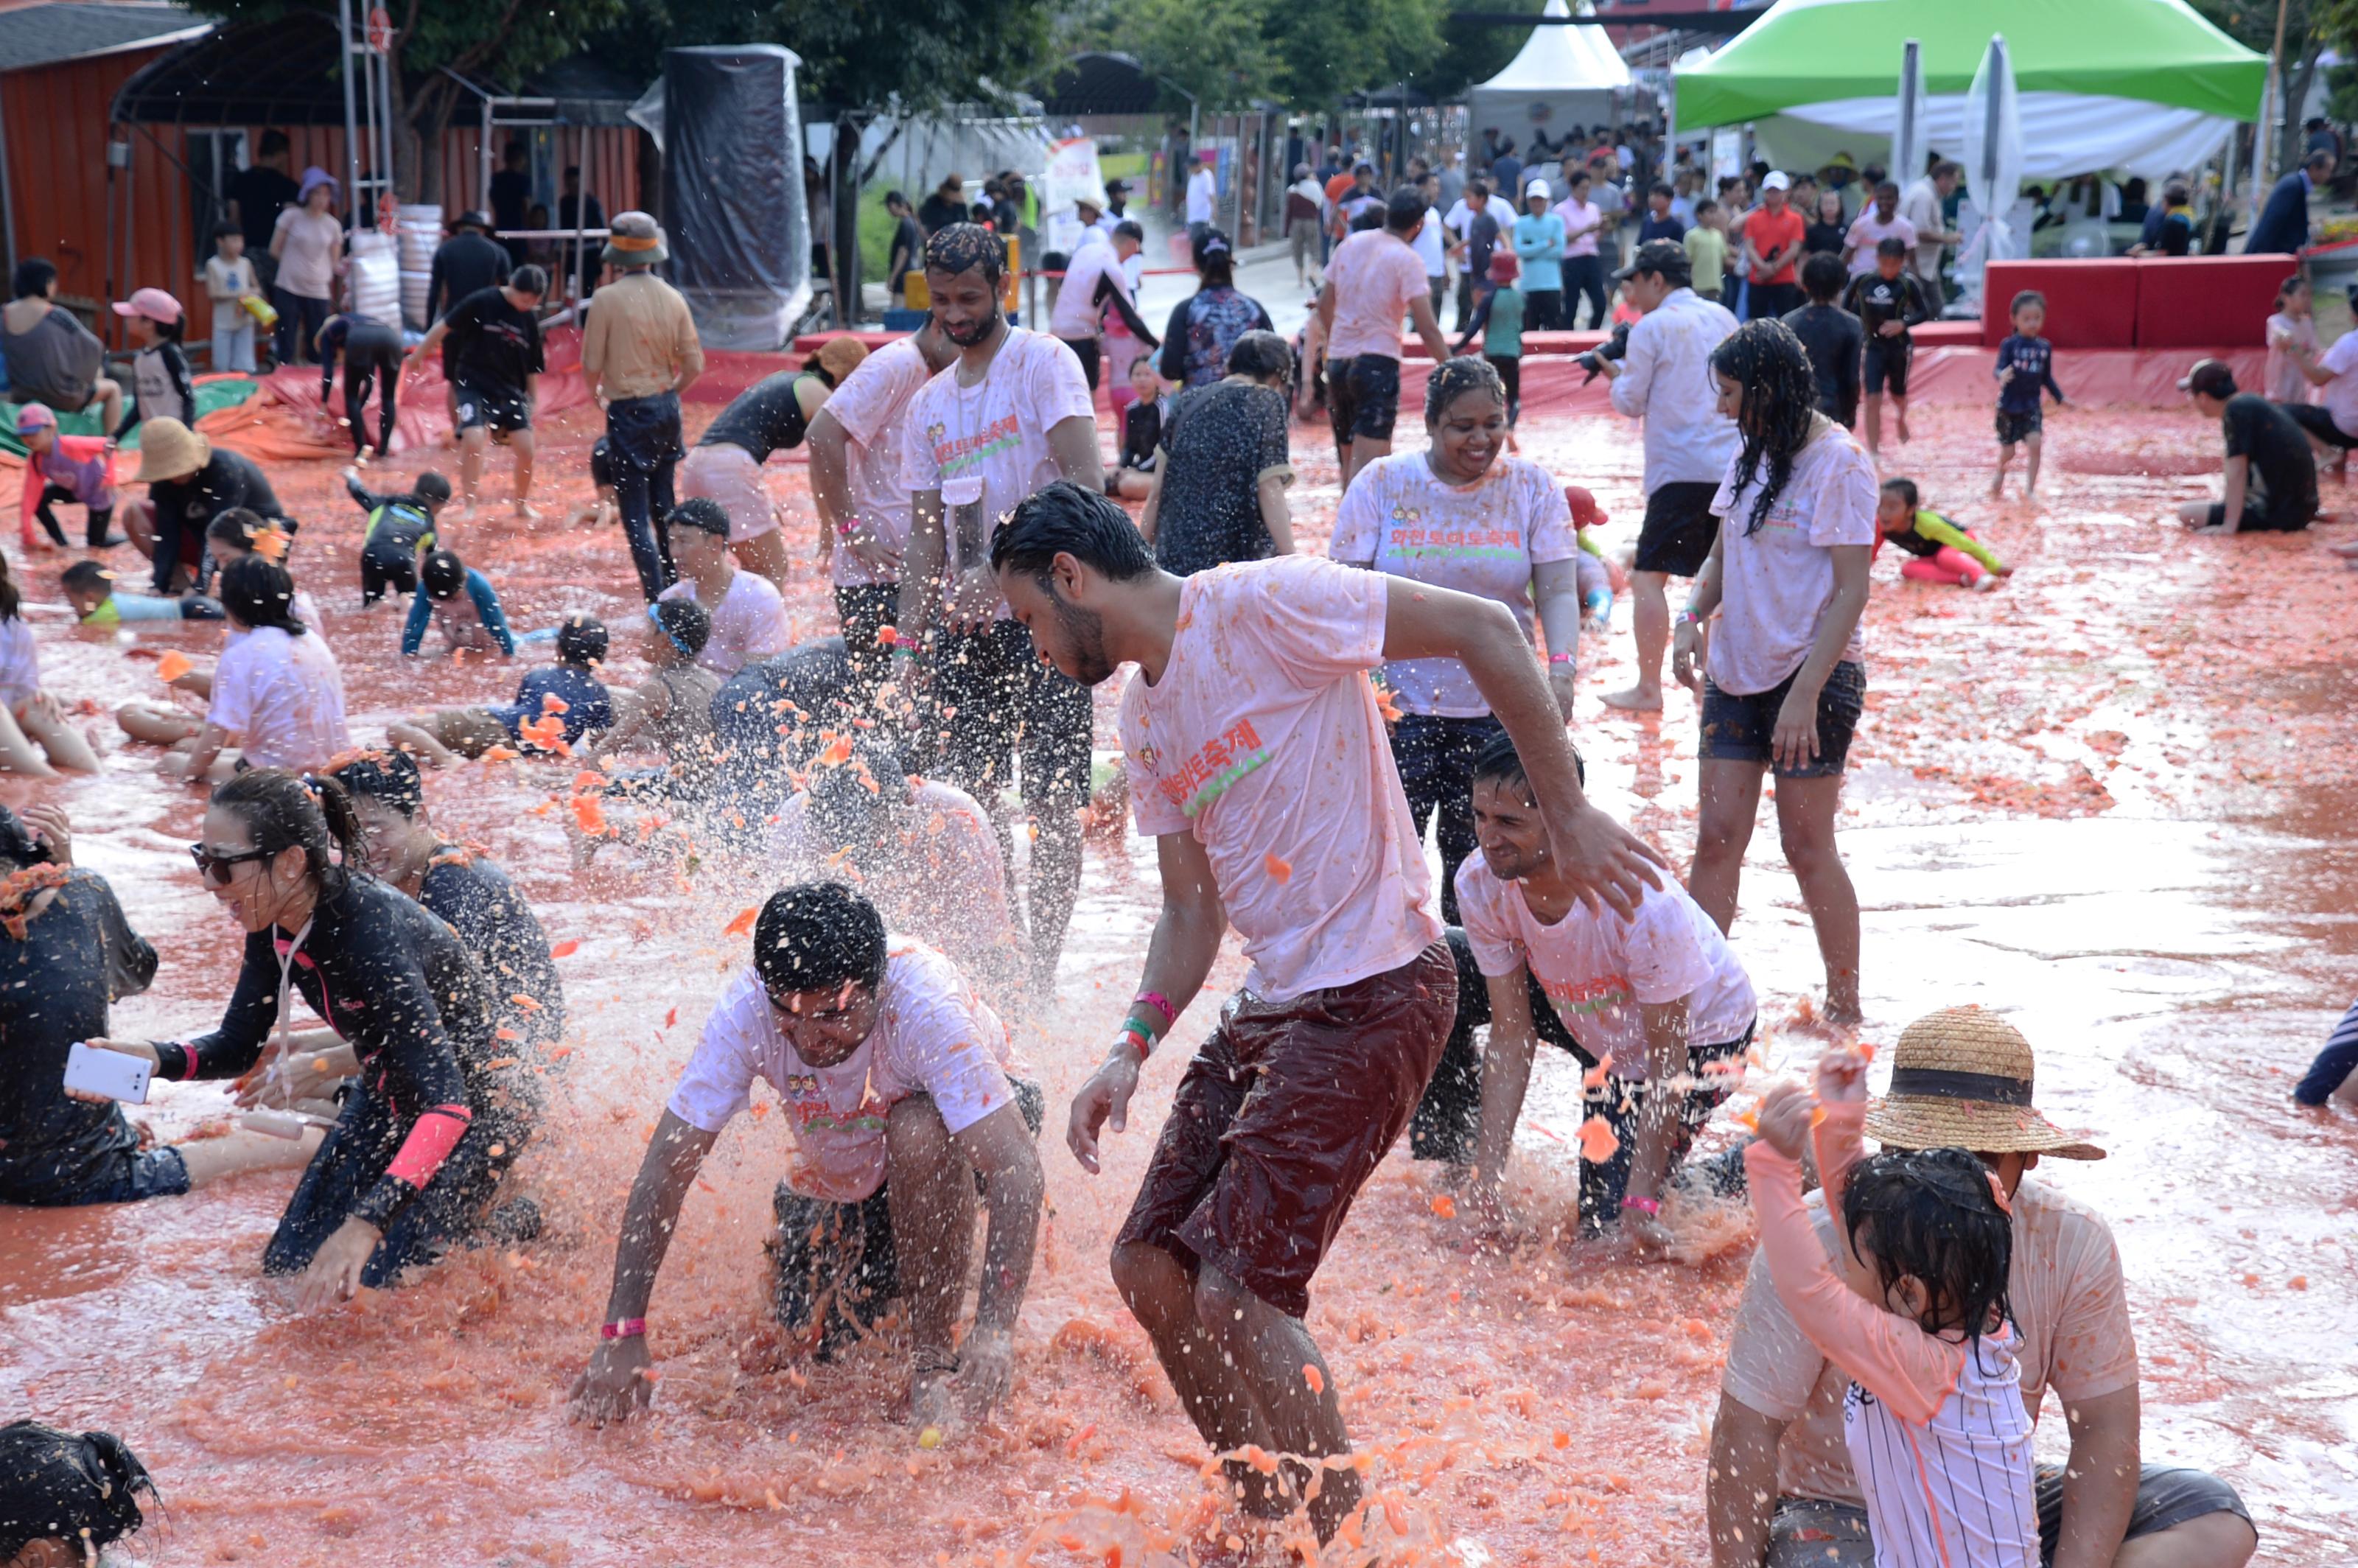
{"x":1262,"y":739}
{"x":1374,"y":273}
{"x":1578,"y":216}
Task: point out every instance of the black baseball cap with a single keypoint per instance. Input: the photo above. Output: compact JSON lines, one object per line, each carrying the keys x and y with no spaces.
{"x":1117,"y":188}
{"x":2210,"y":378}
{"x":1666,"y":257}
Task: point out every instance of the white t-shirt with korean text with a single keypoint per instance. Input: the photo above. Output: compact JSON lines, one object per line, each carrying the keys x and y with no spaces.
{"x":1777,"y":582}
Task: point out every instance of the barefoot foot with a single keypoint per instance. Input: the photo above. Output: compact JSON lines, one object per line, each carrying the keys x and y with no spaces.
{"x":1637,"y":700}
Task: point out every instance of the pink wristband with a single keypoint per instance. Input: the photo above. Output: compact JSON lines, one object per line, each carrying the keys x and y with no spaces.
{"x":1562,"y":658}
{"x":1160,"y":1004}
{"x":629,"y":1328}
{"x":1643,"y":1206}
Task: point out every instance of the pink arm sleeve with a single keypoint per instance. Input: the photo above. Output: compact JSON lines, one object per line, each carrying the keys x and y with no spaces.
{"x":431,"y":1137}
{"x":1910,"y":1370}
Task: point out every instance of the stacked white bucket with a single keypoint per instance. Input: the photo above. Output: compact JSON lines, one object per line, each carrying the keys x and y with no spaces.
{"x":420,"y":228}
{"x":374,"y":278}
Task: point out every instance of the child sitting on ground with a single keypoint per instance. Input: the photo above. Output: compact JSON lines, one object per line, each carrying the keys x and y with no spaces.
{"x":671,"y":711}
{"x":89,"y":588}
{"x":1913,"y":1307}
{"x":401,"y":527}
{"x":277,"y":697}
{"x":604,"y":512}
{"x":78,"y":469}
{"x":1600,"y":579}
{"x":557,"y":704}
{"x":459,"y":600}
{"x":35,"y":739}
{"x":160,"y":384}
{"x":229,"y":538}
{"x":1141,"y":433}
{"x":2025,"y":367}
{"x":1937,"y":550}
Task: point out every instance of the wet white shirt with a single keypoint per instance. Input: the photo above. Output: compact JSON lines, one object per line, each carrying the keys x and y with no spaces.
{"x":1666,"y":380}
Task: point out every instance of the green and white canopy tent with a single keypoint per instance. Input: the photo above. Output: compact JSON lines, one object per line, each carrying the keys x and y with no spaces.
{"x":2140,"y":86}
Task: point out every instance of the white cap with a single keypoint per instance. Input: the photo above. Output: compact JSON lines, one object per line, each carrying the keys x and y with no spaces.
{"x":1536,"y":187}
{"x":1776,"y":180}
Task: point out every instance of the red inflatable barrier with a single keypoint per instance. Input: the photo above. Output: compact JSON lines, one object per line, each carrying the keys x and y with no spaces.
{"x":2194,"y":302}
{"x":2090,"y":303}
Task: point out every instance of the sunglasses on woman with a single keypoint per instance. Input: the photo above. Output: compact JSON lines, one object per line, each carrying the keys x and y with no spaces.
{"x":218,"y":865}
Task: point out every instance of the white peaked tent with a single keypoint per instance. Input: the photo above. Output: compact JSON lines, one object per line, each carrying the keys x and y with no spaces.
{"x":1565,"y":76}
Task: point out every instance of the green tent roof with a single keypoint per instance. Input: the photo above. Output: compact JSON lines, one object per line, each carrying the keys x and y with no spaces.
{"x":1808,"y":52}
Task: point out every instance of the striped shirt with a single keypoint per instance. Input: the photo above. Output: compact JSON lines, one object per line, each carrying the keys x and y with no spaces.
{"x":1955,"y":1491}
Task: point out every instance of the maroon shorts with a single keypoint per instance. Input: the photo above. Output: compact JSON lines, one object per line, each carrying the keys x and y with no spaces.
{"x":1282,"y":1115}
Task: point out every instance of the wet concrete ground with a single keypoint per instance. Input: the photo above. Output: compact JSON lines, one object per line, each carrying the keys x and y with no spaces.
{"x":2113,"y":800}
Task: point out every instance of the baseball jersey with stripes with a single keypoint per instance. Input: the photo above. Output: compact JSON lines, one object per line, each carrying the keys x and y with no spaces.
{"x":1955,"y":1491}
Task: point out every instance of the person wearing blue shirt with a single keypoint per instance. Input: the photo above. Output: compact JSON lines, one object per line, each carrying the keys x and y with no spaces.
{"x":553,"y":708}
{"x":480,"y":625}
{"x":2282,"y":227}
{"x":1538,"y":245}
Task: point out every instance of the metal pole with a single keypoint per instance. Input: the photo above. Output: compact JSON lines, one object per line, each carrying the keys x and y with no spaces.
{"x":580,"y":216}
{"x":483,"y":156}
{"x":352,"y":117}
{"x":384,"y":126}
{"x":8,"y":194}
{"x":2280,"y":111}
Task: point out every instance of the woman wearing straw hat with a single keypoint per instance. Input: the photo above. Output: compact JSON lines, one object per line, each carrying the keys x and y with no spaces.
{"x":188,"y":484}
{"x":1781,"y":1489}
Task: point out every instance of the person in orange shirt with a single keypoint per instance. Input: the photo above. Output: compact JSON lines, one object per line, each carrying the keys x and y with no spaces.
{"x":1772,"y":244}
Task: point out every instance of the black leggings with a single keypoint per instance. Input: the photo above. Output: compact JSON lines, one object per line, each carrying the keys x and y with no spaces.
{"x":100,"y":517}
{"x":1510,"y":371}
{"x":1584,"y":277}
{"x":1435,"y":759}
{"x":382,"y":569}
{"x":360,"y":372}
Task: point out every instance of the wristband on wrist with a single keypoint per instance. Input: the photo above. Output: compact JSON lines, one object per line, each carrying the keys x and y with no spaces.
{"x":1562,"y":658}
{"x":1160,"y":1004}
{"x":627,"y":1328}
{"x":1648,"y":1206}
{"x":1137,"y":1038}
{"x":1690,"y":615}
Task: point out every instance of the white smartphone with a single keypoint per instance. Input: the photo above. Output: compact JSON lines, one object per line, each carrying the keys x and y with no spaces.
{"x":93,"y":1069}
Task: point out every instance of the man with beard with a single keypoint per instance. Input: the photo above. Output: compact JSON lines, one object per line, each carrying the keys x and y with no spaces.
{"x":1012,"y":415}
{"x":1258,"y":760}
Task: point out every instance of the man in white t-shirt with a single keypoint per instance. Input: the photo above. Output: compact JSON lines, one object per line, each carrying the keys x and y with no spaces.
{"x":1094,"y":283}
{"x":1880,"y":220}
{"x":899,"y":1089}
{"x":1434,"y":245}
{"x":1203,"y":196}
{"x":2332,"y":425}
{"x":1259,"y":764}
{"x":855,"y":472}
{"x":1373,"y":279}
{"x":749,"y":618}
{"x":1012,"y":414}
{"x":1926,"y":206}
{"x":1659,"y":999}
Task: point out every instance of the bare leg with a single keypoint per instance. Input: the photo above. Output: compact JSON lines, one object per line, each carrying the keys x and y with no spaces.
{"x":1364,"y":450}
{"x":138,"y":520}
{"x":765,"y":555}
{"x":523,"y":444}
{"x":1899,"y":414}
{"x":158,"y":726}
{"x":1873,"y":403}
{"x":109,"y":396}
{"x":211,"y":1160}
{"x":471,"y":465}
{"x":1805,"y":819}
{"x":1649,"y":624}
{"x":930,"y":1189}
{"x":1134,"y":485}
{"x":421,"y":739}
{"x":2031,"y":444}
{"x":2005,"y":462}
{"x":2213,"y":1540}
{"x":1155,"y":1287}
{"x":1273,"y":1355}
{"x":46,"y":724}
{"x":1730,"y":801}
{"x":18,"y":755}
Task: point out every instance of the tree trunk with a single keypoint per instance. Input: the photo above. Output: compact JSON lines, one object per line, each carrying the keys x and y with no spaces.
{"x":851,"y":127}
{"x":2296,"y":93}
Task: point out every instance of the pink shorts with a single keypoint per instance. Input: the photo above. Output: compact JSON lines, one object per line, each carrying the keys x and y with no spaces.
{"x":730,"y":475}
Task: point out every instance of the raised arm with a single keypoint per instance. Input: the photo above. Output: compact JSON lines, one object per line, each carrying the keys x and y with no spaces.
{"x":616,"y":1382}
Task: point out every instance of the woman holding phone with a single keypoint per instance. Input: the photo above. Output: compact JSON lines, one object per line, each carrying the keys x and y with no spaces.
{"x":440,"y":1108}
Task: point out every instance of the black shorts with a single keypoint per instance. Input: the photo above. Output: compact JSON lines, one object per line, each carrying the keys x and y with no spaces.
{"x":2317,"y":425}
{"x":2261,"y":517}
{"x":1085,"y":350}
{"x":2013,"y":427}
{"x":1680,"y":530}
{"x":1004,"y":707}
{"x":1740,"y":728}
{"x":499,"y":408}
{"x":1362,"y":397}
{"x":1886,"y":365}
{"x":1812,"y":1533}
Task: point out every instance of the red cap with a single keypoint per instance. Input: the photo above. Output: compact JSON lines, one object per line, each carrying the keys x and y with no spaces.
{"x":1586,"y":512}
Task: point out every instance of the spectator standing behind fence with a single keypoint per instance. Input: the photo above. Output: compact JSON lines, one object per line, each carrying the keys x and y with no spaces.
{"x":641,"y":350}
{"x":230,"y":280}
{"x":510,"y":199}
{"x":310,"y":247}
{"x":257,"y":194}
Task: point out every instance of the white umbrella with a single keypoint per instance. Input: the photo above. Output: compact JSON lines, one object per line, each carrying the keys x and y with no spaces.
{"x":1910,"y":131}
{"x":1992,"y":163}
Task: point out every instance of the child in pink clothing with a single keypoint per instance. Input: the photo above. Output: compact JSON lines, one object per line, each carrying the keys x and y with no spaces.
{"x":1937,"y":550}
{"x":1915,"y":1310}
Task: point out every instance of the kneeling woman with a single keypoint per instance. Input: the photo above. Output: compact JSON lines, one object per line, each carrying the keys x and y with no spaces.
{"x":435,"y":1117}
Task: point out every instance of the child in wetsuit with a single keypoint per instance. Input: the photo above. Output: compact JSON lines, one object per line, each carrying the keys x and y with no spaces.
{"x":463,"y":602}
{"x":2026,"y":366}
{"x":1141,"y":433}
{"x":400,"y":529}
{"x":553,"y":707}
{"x":1937,"y":550}
{"x":372,"y":354}
{"x":89,"y":588}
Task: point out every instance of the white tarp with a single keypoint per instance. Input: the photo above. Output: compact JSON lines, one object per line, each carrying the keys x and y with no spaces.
{"x":2063,"y":134}
{"x":1565,"y":76}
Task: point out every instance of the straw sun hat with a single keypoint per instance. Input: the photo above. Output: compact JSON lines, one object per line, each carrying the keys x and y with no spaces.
{"x":170,"y":450}
{"x":1961,"y":1078}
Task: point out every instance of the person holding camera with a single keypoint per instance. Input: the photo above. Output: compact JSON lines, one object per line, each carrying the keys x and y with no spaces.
{"x":1665,"y":380}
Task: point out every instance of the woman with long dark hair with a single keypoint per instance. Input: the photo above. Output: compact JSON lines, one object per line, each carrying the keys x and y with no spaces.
{"x":441,"y":1108}
{"x":1785,"y":680}
{"x":1206,"y":324}
{"x":278,"y":693}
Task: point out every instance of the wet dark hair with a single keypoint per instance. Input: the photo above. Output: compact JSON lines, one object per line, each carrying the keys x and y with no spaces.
{"x":433,"y":487}
{"x":71,"y":1485}
{"x":687,"y":624}
{"x":224,"y":229}
{"x":443,"y":575}
{"x":236,"y":526}
{"x":1905,"y":489}
{"x":818,"y":937}
{"x":34,"y":275}
{"x":1260,"y":354}
{"x":581,"y":639}
{"x":846,"y":813}
{"x":283,"y":810}
{"x":1822,"y":277}
{"x":85,"y":574}
{"x":1931,"y":1213}
{"x":1368,"y":221}
{"x":260,"y":594}
{"x":390,"y":777}
{"x":1778,"y":410}
{"x":1891,"y":245}
{"x":1404,"y":209}
{"x":702,"y":514}
{"x":955,"y":248}
{"x":529,"y":279}
{"x":1127,"y":229}
{"x":1452,"y":379}
{"x":1498,"y":760}
{"x":1066,"y":519}
{"x":1215,"y":260}
{"x":19,"y":849}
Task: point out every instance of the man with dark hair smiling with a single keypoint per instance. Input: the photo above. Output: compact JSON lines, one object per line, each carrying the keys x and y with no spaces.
{"x":1259,"y":764}
{"x":902,"y":1093}
{"x":1012,"y":414}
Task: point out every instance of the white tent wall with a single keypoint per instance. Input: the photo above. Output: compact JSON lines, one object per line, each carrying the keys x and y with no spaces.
{"x":2063,"y":134}
{"x":1564,"y":76}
